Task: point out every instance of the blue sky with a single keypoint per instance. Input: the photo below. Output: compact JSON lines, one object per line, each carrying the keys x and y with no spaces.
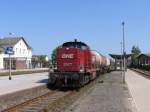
{"x":47,"y":23}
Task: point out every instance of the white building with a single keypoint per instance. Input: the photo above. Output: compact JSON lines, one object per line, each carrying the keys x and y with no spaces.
{"x":21,"y":59}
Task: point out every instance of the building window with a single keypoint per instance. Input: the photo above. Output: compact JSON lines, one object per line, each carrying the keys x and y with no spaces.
{"x":146,"y":61}
{"x":139,"y":62}
{"x":149,"y":62}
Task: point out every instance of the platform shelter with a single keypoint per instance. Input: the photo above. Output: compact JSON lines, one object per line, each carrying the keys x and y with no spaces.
{"x":119,"y":60}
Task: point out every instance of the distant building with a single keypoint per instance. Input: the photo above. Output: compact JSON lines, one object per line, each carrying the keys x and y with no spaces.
{"x":119,"y":60}
{"x":21,"y":59}
{"x":37,"y":62}
{"x":144,"y":59}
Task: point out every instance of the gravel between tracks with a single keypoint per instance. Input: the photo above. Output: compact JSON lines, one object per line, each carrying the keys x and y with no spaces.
{"x":110,"y":96}
{"x":18,"y":97}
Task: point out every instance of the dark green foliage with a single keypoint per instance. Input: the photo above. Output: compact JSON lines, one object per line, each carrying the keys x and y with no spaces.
{"x":42,"y":61}
{"x":135,"y":52}
{"x":54,"y":56}
{"x":134,"y":66}
{"x":144,"y":67}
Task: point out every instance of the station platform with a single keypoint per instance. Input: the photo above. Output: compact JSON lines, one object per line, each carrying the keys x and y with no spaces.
{"x":110,"y":96}
{"x":140,"y":90}
{"x":22,"y":82}
{"x":24,"y":70}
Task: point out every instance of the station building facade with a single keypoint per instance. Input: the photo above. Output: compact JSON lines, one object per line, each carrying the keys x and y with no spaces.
{"x":144,"y":59}
{"x":21,"y":59}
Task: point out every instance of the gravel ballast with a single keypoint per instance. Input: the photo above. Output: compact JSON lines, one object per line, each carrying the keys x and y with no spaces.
{"x":18,"y":97}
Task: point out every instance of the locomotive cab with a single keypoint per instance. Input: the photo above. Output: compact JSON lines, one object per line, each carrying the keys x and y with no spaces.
{"x":70,"y":57}
{"x":73,"y":61}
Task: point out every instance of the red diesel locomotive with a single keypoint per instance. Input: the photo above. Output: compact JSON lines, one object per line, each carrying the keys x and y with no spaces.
{"x":77,"y":65}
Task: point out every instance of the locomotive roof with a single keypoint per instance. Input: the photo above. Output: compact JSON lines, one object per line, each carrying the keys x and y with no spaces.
{"x":75,"y":44}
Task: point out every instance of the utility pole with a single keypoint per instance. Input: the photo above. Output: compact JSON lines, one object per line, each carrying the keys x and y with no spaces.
{"x":10,"y":57}
{"x":9,"y":61}
{"x":124,"y":57}
{"x":9,"y":67}
{"x":121,"y":58}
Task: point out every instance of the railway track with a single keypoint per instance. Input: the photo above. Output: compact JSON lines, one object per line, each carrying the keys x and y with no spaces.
{"x":52,"y":101}
{"x":142,"y":73}
{"x":38,"y":104}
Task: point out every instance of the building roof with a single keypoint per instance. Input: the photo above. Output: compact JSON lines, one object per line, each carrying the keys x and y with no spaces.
{"x":118,"y":56}
{"x":148,"y":55}
{"x":11,"y":41}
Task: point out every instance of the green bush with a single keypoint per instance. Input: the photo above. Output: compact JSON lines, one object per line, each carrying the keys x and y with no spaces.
{"x":144,"y":67}
{"x":133,"y":66}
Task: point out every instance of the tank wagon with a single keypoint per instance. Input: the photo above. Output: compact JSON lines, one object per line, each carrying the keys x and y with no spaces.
{"x":77,"y":65}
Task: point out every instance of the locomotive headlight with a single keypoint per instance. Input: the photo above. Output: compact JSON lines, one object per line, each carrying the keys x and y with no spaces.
{"x":81,"y":68}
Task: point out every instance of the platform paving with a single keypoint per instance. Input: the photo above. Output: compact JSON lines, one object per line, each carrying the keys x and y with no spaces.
{"x":21,"y":82}
{"x":139,"y":87}
{"x":110,"y":96}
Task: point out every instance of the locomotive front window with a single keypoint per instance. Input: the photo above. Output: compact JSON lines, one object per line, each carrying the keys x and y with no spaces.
{"x":83,"y":47}
{"x":75,"y":45}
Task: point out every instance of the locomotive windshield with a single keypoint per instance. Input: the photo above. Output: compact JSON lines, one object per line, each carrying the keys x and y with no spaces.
{"x":80,"y":45}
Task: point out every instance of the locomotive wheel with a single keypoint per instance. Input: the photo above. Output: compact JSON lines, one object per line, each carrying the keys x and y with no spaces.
{"x":85,"y":79}
{"x":52,"y":80}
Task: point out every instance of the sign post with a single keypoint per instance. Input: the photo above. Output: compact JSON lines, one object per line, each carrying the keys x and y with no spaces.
{"x":9,"y":67}
{"x":9,"y":51}
{"x":124,"y":54}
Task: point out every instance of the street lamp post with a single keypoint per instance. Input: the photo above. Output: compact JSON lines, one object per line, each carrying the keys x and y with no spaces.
{"x":121,"y":58}
{"x":10,"y":57}
{"x":9,"y":67}
{"x":9,"y":60}
{"x":124,"y":57}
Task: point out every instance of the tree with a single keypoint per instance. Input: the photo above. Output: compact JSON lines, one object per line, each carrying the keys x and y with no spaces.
{"x":41,"y":60}
{"x":134,"y":56}
{"x":54,"y":56}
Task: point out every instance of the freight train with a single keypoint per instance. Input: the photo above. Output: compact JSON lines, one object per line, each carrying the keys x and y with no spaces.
{"x":77,"y":65}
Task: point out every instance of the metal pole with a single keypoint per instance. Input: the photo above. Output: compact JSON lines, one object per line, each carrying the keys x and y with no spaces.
{"x":121,"y":58}
{"x":124,"y":57}
{"x":10,"y":59}
{"x":9,"y":67}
